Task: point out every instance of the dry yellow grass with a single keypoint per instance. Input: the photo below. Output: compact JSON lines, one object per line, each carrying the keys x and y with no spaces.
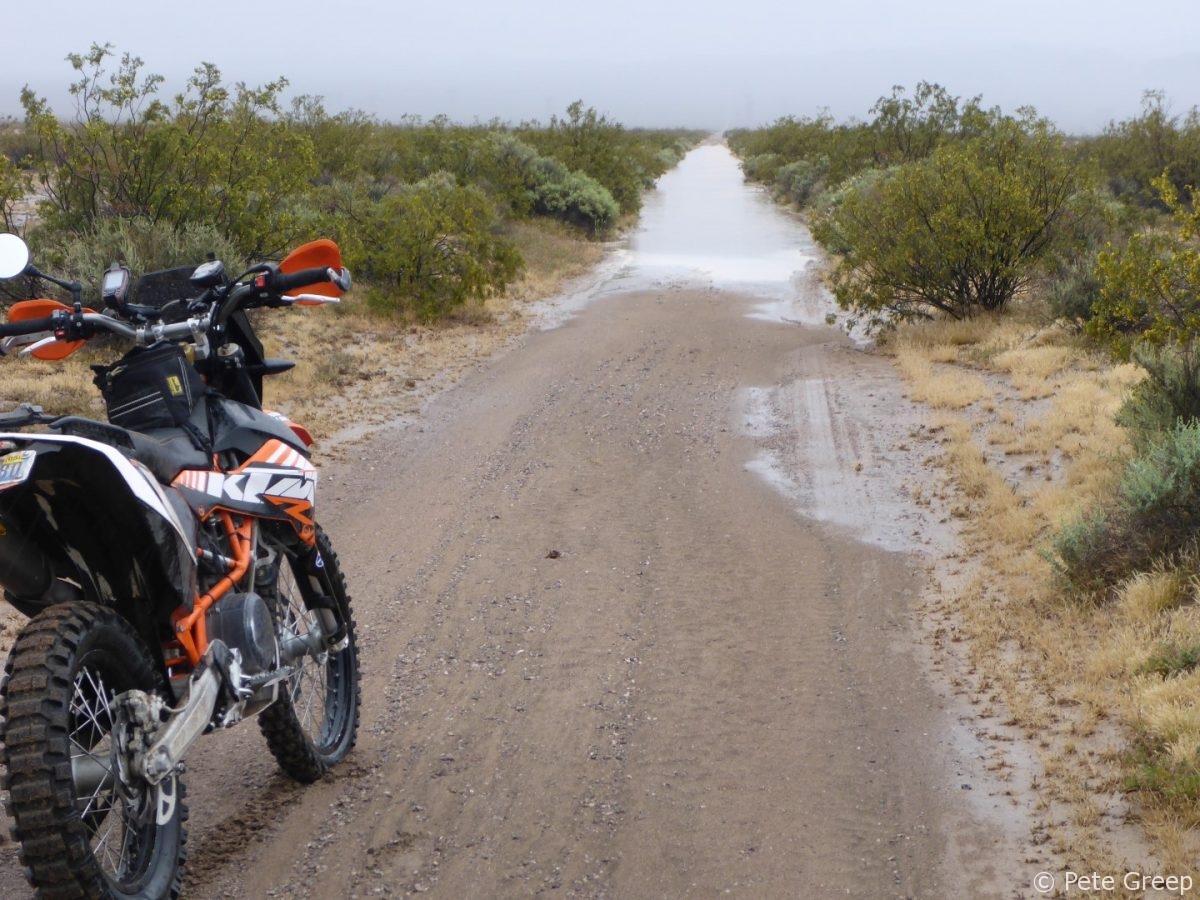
{"x":1029,"y":442}
{"x":937,"y":386}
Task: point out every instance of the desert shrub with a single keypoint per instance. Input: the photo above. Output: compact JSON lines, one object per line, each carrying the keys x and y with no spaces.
{"x":506,"y":170}
{"x":15,"y":184}
{"x":1073,"y":288}
{"x":143,"y":246}
{"x":1079,"y":547}
{"x":528,"y":183}
{"x":1170,"y":660}
{"x":1136,"y":152}
{"x":571,"y":196}
{"x":427,"y":248}
{"x":591,"y":143}
{"x":909,"y":128}
{"x":1154,"y":514}
{"x":1148,"y":309}
{"x":1170,"y":394}
{"x":764,"y":167}
{"x":16,"y":144}
{"x":214,"y":156}
{"x":959,"y":233}
{"x":140,"y":244}
{"x":666,"y":158}
{"x":799,"y":181}
{"x":1073,"y":284}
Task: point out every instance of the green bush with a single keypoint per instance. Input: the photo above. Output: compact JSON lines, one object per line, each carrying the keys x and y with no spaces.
{"x":763,"y":167}
{"x":212,"y":157}
{"x":140,"y":244}
{"x":593,"y":144}
{"x":144,"y":246}
{"x":1073,"y":288}
{"x":571,"y":196}
{"x":1148,"y":309}
{"x":1080,"y":547}
{"x":1170,"y":394}
{"x":800,"y":181}
{"x":15,"y":185}
{"x":1155,"y":514}
{"x":16,"y":144}
{"x":1171,"y":660}
{"x":427,"y":248}
{"x":417,"y":206}
{"x":958,"y":233}
{"x":1134,"y":153}
{"x":506,"y":171}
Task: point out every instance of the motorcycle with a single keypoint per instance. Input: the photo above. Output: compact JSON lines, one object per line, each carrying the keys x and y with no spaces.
{"x":174,"y":576}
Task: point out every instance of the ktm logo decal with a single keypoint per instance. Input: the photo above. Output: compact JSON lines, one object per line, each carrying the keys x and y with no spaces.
{"x":252,"y":486}
{"x":293,"y":508}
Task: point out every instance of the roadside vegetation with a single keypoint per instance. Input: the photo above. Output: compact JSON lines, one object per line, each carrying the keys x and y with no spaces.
{"x":1041,"y":293}
{"x":443,"y":225}
{"x":426,"y":213}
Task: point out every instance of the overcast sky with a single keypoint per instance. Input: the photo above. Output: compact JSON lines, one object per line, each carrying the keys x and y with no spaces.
{"x":702,"y":63}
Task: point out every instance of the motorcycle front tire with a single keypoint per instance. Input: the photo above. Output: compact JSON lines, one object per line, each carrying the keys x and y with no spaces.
{"x":314,"y":723}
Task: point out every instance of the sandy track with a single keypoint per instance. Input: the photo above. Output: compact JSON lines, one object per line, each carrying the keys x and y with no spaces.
{"x":603,"y":657}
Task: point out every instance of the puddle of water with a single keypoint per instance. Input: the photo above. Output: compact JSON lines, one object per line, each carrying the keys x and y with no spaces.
{"x":704,"y":227}
{"x":848,"y":470}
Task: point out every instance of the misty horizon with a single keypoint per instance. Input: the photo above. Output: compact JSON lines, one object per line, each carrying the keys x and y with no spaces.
{"x":695,"y":65}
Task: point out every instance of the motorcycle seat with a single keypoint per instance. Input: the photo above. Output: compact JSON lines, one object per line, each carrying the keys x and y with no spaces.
{"x":164,"y":451}
{"x":168,"y":451}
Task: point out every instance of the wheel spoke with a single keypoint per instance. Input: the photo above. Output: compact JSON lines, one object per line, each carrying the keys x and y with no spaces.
{"x":89,"y":738}
{"x":115,"y":834}
{"x":307,"y":688}
{"x":313,"y":725}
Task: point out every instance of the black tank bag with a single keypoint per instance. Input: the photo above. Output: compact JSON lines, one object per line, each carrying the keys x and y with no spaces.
{"x":153,"y":387}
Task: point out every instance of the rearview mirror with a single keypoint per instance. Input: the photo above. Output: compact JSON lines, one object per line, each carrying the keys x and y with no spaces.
{"x":14,"y":256}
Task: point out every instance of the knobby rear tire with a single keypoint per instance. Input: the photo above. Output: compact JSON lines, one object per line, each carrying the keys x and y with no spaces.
{"x":81,"y":839}
{"x":314,"y":723}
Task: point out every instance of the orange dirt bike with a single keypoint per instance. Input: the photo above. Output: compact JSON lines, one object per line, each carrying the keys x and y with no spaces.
{"x":169,"y":561}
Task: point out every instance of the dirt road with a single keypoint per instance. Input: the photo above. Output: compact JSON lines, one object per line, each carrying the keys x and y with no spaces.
{"x":603,"y":657}
{"x":606,"y":657}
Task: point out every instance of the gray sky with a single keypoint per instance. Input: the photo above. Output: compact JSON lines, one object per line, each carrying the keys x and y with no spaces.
{"x":702,"y":63}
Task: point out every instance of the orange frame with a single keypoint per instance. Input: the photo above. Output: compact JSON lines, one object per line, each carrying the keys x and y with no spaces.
{"x":191,"y":629}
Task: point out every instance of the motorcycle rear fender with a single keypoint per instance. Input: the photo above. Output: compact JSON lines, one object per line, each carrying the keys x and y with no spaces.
{"x":104,"y":521}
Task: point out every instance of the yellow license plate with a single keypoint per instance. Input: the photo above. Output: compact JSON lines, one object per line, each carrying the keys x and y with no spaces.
{"x":15,"y":467}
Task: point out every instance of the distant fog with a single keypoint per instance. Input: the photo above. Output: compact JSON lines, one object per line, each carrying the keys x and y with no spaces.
{"x":1081,"y":91}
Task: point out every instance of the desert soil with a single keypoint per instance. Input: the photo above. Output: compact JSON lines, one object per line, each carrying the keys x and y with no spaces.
{"x":638,"y":601}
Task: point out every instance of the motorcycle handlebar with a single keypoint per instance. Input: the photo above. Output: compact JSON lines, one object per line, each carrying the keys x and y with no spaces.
{"x":94,"y":321}
{"x":27,"y":326}
{"x":282,"y":282}
{"x":289,"y":281}
{"x":73,"y":326}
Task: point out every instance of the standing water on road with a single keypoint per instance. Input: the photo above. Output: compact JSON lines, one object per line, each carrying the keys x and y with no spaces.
{"x":704,"y":227}
{"x":821,"y":441}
